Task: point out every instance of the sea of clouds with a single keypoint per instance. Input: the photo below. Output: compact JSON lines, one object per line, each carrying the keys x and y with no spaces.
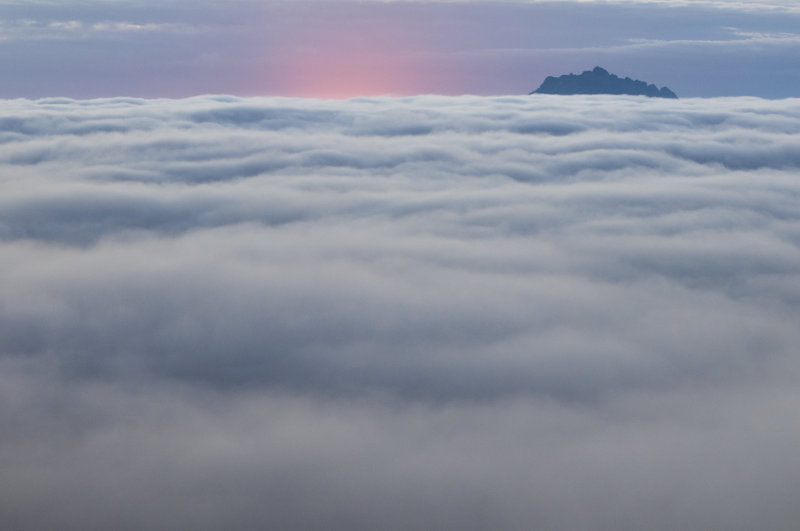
{"x":418,"y":313}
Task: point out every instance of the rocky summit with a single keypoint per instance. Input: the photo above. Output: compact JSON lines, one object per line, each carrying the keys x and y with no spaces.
{"x":600,"y":81}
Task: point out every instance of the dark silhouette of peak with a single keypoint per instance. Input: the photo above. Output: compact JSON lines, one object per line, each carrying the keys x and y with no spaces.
{"x":600,"y":81}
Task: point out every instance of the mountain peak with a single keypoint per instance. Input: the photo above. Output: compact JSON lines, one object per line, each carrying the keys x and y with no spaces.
{"x":600,"y":81}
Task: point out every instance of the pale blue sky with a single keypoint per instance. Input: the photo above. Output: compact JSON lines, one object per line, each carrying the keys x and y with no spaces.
{"x":334,"y":49}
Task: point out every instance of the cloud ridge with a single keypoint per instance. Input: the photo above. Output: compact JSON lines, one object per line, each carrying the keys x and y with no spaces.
{"x":505,"y":312}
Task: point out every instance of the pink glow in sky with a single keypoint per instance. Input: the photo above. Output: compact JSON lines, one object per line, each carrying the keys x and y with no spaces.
{"x":345,"y":66}
{"x":346,"y":53}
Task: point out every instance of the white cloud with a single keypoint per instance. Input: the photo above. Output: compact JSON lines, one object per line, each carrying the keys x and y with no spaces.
{"x":123,"y":26}
{"x":399,"y":313}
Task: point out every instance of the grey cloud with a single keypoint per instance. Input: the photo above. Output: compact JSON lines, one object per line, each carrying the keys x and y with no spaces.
{"x":399,"y":313}
{"x":176,"y":459}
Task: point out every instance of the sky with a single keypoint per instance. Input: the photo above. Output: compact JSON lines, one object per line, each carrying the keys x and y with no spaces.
{"x":530,"y":312}
{"x":339,"y":48}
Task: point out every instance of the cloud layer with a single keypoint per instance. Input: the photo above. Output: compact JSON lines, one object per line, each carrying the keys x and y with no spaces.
{"x":506,"y":313}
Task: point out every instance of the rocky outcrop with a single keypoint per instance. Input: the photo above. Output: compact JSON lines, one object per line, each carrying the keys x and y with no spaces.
{"x":599,"y":81}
